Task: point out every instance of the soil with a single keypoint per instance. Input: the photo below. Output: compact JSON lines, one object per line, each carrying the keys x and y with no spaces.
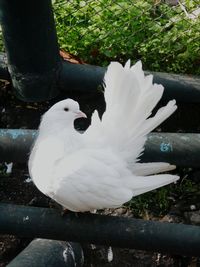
{"x":17,"y":188}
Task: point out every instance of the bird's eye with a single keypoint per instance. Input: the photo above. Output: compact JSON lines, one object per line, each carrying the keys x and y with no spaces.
{"x":66,"y":109}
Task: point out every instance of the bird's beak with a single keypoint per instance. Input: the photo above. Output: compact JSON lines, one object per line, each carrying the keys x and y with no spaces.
{"x":80,"y":114}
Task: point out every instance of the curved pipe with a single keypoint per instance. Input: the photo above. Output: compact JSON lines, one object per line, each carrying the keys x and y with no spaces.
{"x":51,"y":253}
{"x":31,"y":47}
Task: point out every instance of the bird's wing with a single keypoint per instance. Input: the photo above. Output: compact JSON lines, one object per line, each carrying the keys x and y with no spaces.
{"x":88,"y":180}
{"x":130,"y":97}
{"x":85,"y":181}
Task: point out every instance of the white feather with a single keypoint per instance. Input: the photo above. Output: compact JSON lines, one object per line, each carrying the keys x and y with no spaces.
{"x":99,"y":169}
{"x":130,"y":98}
{"x":151,"y":168}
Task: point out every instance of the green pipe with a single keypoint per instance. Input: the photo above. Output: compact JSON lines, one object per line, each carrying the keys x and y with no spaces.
{"x":78,"y":77}
{"x":87,"y":78}
{"x":15,"y":144}
{"x":114,"y":231}
{"x":31,"y":46}
{"x":183,"y":88}
{"x":51,"y":253}
{"x":181,"y":149}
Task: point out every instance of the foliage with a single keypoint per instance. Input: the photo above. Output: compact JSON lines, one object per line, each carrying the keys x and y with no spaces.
{"x":99,"y":31}
{"x":157,"y":202}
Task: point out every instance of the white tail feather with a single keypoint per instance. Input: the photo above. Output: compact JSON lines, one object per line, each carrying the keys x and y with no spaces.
{"x":151,"y":168}
{"x":142,"y":184}
{"x":130,"y":98}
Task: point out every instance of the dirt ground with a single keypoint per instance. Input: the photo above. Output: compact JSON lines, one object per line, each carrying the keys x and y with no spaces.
{"x":17,"y":188}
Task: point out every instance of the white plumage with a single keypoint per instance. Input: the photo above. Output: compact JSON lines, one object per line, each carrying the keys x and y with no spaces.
{"x":100,"y":169}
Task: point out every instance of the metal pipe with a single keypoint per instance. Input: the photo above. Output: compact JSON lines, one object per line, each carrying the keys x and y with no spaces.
{"x":51,"y":253}
{"x":181,"y":149}
{"x":87,"y":78}
{"x":15,"y":144}
{"x":79,"y":77}
{"x":100,"y":229}
{"x":183,"y":88}
{"x":31,"y":45}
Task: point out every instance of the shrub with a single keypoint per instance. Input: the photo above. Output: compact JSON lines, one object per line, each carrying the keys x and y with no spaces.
{"x":100,"y":31}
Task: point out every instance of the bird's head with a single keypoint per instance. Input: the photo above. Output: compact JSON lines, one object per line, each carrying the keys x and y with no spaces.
{"x":63,"y":114}
{"x":67,"y":109}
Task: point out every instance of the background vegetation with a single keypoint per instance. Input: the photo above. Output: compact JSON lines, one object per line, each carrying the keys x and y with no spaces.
{"x":165,"y":37}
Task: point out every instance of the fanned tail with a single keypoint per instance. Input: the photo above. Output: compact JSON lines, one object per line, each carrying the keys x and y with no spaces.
{"x":130,"y":98}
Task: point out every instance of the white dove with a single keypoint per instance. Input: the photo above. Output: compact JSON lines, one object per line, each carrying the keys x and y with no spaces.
{"x":99,"y":168}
